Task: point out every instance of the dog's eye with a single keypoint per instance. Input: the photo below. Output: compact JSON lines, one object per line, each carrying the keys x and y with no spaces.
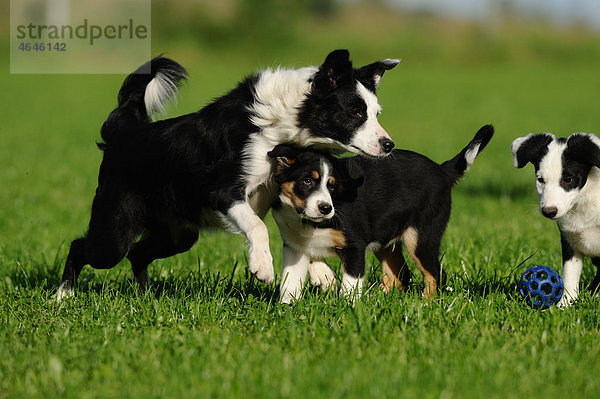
{"x":308,"y":181}
{"x":331,"y":187}
{"x":540,"y":180}
{"x":356,"y":113}
{"x":567,"y":180}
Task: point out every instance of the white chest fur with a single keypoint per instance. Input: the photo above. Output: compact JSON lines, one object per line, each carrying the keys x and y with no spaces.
{"x":304,"y":238}
{"x":581,"y":225}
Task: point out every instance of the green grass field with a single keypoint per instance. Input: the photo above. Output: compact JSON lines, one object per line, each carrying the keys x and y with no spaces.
{"x":210,"y":330}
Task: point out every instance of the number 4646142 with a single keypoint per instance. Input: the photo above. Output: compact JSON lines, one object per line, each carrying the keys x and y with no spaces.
{"x":24,"y":46}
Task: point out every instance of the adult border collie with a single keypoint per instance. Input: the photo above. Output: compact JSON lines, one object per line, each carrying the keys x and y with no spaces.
{"x":160,"y":182}
{"x":568,"y":187}
{"x":347,"y":206}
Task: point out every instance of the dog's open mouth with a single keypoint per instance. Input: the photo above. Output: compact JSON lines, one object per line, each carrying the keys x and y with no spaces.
{"x":361,"y":152}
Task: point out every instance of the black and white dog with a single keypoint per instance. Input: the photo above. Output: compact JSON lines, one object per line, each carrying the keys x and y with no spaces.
{"x":345,"y":206}
{"x":160,"y":182}
{"x":568,"y":188}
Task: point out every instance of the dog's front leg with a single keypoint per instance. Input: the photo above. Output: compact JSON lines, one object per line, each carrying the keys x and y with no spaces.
{"x":353,"y":264}
{"x":321,"y":274}
{"x":260,"y":260}
{"x":572,"y":265}
{"x":295,"y":267}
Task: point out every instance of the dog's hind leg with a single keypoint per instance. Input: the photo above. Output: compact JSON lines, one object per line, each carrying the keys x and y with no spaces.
{"x":396,"y":273}
{"x":159,"y":242}
{"x":425,"y":255}
{"x":74,"y":264}
{"x":113,"y":226}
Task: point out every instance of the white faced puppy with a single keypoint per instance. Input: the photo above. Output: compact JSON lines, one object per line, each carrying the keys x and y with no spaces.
{"x":568,"y":188}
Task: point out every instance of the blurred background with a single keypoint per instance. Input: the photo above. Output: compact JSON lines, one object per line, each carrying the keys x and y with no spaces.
{"x":524,"y":66}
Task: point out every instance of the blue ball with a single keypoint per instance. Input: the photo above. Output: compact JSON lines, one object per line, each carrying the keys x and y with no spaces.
{"x":541,"y":286}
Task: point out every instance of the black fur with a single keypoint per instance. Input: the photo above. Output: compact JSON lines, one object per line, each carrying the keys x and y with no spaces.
{"x":533,"y":150}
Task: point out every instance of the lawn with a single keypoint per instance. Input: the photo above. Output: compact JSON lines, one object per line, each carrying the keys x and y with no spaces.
{"x":208,"y":329}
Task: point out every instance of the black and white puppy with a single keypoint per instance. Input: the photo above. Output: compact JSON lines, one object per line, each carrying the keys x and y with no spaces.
{"x":160,"y":182}
{"x":568,"y":188}
{"x":345,"y":206}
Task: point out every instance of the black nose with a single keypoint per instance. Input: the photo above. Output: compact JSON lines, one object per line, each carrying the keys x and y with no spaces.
{"x":549,"y":211}
{"x":325,"y":208}
{"x":386,"y":144}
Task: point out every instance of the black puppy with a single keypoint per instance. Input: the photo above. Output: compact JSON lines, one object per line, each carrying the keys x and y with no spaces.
{"x":346,"y":206}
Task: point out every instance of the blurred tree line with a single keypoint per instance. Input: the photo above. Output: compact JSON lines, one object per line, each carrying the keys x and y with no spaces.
{"x":231,"y":23}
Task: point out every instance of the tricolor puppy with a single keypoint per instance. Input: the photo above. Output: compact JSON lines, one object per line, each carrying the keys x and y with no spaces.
{"x":160,"y":182}
{"x":568,"y":188}
{"x":345,"y":206}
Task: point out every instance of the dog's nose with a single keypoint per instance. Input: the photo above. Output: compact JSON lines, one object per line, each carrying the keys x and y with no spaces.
{"x":549,"y":211}
{"x":386,"y":144}
{"x":325,"y":208}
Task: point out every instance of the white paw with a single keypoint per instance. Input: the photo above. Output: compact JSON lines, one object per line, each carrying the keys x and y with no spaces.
{"x":65,"y":291}
{"x":568,"y":297}
{"x":321,"y":275}
{"x":351,"y":287}
{"x":564,"y":302}
{"x":261,"y":264}
{"x":288,"y":297}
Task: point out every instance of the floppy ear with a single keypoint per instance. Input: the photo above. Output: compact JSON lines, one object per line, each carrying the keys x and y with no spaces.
{"x":335,"y":71}
{"x":373,"y":72}
{"x":284,"y":155}
{"x":530,"y":148}
{"x":348,"y":180}
{"x":585,"y":148}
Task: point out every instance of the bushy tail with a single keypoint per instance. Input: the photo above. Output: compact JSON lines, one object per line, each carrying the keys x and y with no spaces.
{"x":460,"y":164}
{"x":144,"y":93}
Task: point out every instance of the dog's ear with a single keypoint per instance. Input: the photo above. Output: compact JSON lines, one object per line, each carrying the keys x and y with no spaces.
{"x":284,"y":155}
{"x":372,"y":73}
{"x":585,"y":148}
{"x":348,"y":180}
{"x":530,"y":148}
{"x":335,"y":71}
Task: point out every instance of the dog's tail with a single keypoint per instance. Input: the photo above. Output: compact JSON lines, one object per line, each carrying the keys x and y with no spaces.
{"x":144,"y":94}
{"x":460,"y":164}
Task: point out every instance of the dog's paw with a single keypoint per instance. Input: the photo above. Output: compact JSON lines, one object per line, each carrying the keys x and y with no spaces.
{"x":351,"y":287}
{"x":564,"y":302}
{"x":65,"y":291}
{"x":260,"y":262}
{"x":321,"y":275}
{"x":288,"y":297}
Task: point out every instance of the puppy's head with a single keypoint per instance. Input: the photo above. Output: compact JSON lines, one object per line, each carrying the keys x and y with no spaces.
{"x":562,"y":166}
{"x":340,"y":112}
{"x":307,"y":181}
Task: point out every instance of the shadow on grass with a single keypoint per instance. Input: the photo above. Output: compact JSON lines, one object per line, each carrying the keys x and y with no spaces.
{"x":45,"y":277}
{"x":495,"y":190}
{"x":207,"y":285}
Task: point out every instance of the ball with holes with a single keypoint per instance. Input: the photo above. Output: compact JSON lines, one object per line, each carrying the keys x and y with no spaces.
{"x":541,"y":286}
